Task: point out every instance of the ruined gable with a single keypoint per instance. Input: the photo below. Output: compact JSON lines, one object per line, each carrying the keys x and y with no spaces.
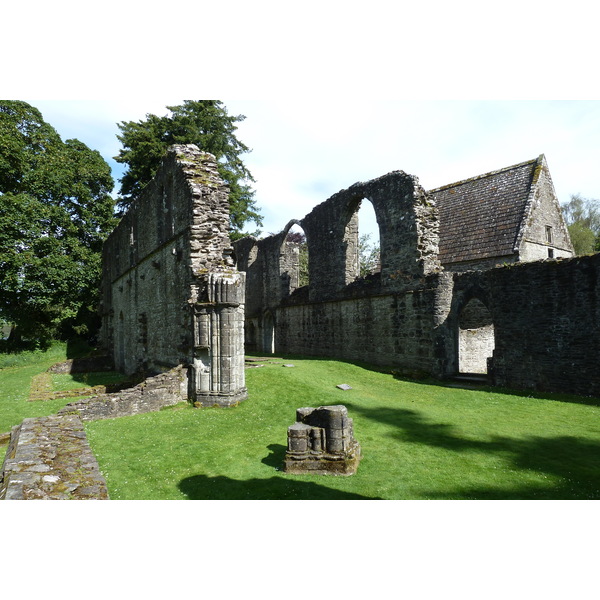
{"x":171,"y":294}
{"x":543,"y":233}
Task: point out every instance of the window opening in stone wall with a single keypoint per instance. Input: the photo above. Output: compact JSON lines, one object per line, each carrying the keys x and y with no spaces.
{"x":475,"y":338}
{"x":548,"y":234}
{"x":361,"y":241}
{"x":268,"y":334}
{"x":120,"y":346}
{"x":550,"y":253}
{"x":294,"y":260}
{"x":368,"y":240}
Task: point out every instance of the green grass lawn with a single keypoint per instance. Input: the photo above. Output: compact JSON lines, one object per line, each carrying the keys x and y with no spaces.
{"x":419,"y":440}
{"x":17,"y":372}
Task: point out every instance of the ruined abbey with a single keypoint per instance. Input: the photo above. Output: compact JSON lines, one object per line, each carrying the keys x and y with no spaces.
{"x":475,"y":277}
{"x":171,"y":294}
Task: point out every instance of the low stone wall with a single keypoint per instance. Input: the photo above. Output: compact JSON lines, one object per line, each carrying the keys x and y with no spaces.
{"x":546,"y":319}
{"x":93,"y":364}
{"x":49,"y":458}
{"x":151,"y":395}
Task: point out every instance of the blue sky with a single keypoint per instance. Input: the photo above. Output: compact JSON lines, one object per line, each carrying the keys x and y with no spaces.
{"x":304,"y":150}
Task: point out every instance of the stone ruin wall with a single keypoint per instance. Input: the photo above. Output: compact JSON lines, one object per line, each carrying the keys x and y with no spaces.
{"x":540,"y":321}
{"x":339,"y":314}
{"x":171,"y":294}
{"x":546,"y":321}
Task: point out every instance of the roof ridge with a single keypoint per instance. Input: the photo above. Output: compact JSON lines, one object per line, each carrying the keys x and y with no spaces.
{"x":489,"y":174}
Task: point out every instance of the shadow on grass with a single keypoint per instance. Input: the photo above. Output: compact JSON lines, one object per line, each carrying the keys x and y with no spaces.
{"x":575,"y":462}
{"x":202,"y":487}
{"x":277,"y":456}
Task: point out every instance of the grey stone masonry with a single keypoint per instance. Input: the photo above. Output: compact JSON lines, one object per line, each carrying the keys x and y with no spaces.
{"x":171,"y":294}
{"x":49,"y":458}
{"x":154,"y":393}
{"x":476,"y":277}
{"x":321,"y":442}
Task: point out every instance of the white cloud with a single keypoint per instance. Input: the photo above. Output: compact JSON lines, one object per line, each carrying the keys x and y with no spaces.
{"x":306,"y":149}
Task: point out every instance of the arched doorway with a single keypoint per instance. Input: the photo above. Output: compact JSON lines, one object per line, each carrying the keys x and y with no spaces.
{"x":475,"y":338}
{"x":250,"y":336}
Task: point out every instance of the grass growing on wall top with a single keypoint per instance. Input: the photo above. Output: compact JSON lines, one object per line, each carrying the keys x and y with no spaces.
{"x":419,"y":441}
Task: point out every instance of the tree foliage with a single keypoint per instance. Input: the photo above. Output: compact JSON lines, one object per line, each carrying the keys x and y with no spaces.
{"x":205,"y":123}
{"x":582,"y":216}
{"x":368,"y":256}
{"x":55,"y":212}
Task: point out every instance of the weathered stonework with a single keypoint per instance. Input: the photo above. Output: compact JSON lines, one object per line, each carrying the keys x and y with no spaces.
{"x":321,"y":442}
{"x":524,"y":325}
{"x":171,"y":293}
{"x":546,"y":322}
{"x":153,"y":394}
{"x":49,"y":458}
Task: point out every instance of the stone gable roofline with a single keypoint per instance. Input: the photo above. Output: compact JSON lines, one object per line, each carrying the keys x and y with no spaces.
{"x":540,"y":159}
{"x":191,"y":160}
{"x":481,"y":217}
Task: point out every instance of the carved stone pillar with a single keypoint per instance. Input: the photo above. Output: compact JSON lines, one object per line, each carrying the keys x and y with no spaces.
{"x":218,"y":368}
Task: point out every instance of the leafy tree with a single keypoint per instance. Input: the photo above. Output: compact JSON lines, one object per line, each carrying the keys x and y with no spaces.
{"x":582,"y":216}
{"x":55,"y":212}
{"x":368,"y":256}
{"x":201,"y":122}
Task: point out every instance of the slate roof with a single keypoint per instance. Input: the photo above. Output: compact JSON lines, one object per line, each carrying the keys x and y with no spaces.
{"x":481,"y":217}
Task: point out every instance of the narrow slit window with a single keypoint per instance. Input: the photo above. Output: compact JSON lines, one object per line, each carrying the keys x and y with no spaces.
{"x":548,"y":234}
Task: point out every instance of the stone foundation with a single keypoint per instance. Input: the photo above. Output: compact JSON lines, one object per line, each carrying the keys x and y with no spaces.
{"x":151,"y":395}
{"x":49,"y":458}
{"x":321,"y":442}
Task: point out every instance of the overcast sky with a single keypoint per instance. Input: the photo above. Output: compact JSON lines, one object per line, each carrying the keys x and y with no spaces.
{"x":305,"y":150}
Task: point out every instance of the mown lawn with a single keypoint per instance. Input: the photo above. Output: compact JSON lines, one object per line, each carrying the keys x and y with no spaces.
{"x":419,"y":440}
{"x":18,"y":372}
